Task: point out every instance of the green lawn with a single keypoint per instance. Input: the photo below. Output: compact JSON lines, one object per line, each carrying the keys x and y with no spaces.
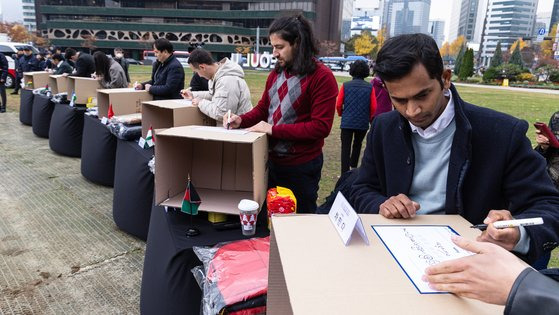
{"x":531,"y":107}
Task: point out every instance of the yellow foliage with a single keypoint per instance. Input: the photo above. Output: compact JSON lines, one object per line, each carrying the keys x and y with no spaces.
{"x":445,"y":49}
{"x":547,"y":45}
{"x":456,"y":45}
{"x":364,"y":44}
{"x":520,"y":42}
{"x":381,"y":37}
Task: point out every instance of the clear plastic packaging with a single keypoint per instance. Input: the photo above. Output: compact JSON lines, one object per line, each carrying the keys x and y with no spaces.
{"x":234,"y":277}
{"x":125,"y":132}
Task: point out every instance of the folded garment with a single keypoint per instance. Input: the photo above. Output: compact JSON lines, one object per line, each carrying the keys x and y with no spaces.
{"x":125,"y":132}
{"x":236,"y":273}
{"x":130,"y":119}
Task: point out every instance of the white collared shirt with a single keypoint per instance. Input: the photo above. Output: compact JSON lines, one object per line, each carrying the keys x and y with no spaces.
{"x":438,"y":125}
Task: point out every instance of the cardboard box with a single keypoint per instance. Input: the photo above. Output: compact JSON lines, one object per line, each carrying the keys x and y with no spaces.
{"x":224,"y":166}
{"x":125,"y":101}
{"x":58,"y":83}
{"x":38,"y":79}
{"x":312,"y":272}
{"x":172,"y":113}
{"x":83,"y":87}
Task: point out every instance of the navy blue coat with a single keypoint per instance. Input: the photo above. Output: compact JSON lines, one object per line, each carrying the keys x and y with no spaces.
{"x":167,"y":79}
{"x":357,"y":104}
{"x":492,"y":166}
{"x":29,"y":63}
{"x":4,"y":65}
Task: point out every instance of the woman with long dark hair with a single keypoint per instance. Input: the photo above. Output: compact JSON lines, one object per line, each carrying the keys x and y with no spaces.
{"x":109,"y":73}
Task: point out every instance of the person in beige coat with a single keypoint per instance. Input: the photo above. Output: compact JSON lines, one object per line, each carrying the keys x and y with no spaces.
{"x":228,"y":90}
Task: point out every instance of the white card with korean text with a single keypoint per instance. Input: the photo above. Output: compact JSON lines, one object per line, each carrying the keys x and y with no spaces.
{"x":345,"y":220}
{"x":416,"y":247}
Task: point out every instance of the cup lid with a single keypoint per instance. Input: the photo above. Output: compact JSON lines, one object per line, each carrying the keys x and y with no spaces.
{"x":248,"y":205}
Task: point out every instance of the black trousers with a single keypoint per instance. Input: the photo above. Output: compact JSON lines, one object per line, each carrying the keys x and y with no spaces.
{"x":302,"y":179}
{"x":3,"y":95}
{"x":17,"y":85}
{"x":351,"y":147}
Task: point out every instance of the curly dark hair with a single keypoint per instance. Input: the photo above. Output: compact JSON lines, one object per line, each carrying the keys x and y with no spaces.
{"x":359,"y":69}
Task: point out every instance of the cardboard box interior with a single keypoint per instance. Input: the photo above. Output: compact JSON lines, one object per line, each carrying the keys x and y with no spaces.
{"x":353,"y":279}
{"x":172,"y":113}
{"x":39,"y":79}
{"x":125,"y":101}
{"x":223,"y":167}
{"x":58,"y":83}
{"x":83,"y":87}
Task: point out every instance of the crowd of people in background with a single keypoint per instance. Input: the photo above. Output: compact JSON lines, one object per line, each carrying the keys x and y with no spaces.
{"x":433,"y":154}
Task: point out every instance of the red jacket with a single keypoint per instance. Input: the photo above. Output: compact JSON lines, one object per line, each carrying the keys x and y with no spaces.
{"x":303,"y":113}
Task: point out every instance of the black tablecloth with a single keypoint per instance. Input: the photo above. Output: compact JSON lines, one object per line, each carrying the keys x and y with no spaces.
{"x":42,"y":114}
{"x":168,"y":286}
{"x":98,"y":152}
{"x":26,"y":107}
{"x":133,"y":188}
{"x":66,"y":129}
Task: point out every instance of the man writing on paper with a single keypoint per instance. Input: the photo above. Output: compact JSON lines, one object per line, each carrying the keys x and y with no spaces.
{"x":437,"y":154}
{"x":228,"y":90}
{"x":167,"y":74}
{"x":496,"y":276}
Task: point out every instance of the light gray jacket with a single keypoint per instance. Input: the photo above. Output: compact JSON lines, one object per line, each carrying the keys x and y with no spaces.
{"x":227,"y":91}
{"x":118,"y":77}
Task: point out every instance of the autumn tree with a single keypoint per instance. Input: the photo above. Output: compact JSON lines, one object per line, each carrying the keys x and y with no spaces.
{"x":445,"y":51}
{"x":89,"y":42}
{"x":546,"y":46}
{"x":517,"y":43}
{"x":329,"y":48}
{"x":242,"y":49}
{"x":456,"y":45}
{"x":364,"y":44}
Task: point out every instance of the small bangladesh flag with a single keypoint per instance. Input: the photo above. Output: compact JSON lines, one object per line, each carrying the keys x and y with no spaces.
{"x":191,"y":201}
{"x":46,"y":88}
{"x":74,"y":99}
{"x":110,"y":114}
{"x":150,"y":139}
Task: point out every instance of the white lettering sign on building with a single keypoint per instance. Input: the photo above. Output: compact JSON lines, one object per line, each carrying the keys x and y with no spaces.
{"x":264,"y":60}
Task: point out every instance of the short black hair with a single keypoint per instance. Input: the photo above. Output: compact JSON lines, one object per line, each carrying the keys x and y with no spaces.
{"x":163,"y":44}
{"x":118,"y":49}
{"x":69,"y":53}
{"x":359,"y":69}
{"x":57,"y":57}
{"x":27,"y":48}
{"x":297,"y":30}
{"x":200,"y":56}
{"x":400,"y":54}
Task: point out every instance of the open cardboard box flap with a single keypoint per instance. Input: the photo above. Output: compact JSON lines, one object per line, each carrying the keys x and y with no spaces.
{"x":125,"y":101}
{"x":38,"y":79}
{"x":312,"y":272}
{"x":83,"y":87}
{"x":224,"y":167}
{"x":58,"y":83}
{"x":172,"y":113}
{"x":213,"y":133}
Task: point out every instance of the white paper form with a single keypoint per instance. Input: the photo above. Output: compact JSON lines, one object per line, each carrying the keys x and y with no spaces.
{"x":416,"y":247}
{"x":223,"y":130}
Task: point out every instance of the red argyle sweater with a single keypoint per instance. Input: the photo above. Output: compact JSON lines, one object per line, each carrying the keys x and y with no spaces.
{"x":300,"y":109}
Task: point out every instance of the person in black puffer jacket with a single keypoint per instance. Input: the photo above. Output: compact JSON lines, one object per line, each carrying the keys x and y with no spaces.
{"x":167,"y":75}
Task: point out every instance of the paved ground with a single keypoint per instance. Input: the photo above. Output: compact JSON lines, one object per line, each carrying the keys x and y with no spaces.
{"x":60,"y":251}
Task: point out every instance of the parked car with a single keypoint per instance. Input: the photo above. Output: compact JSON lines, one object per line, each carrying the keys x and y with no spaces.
{"x":133,"y":61}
